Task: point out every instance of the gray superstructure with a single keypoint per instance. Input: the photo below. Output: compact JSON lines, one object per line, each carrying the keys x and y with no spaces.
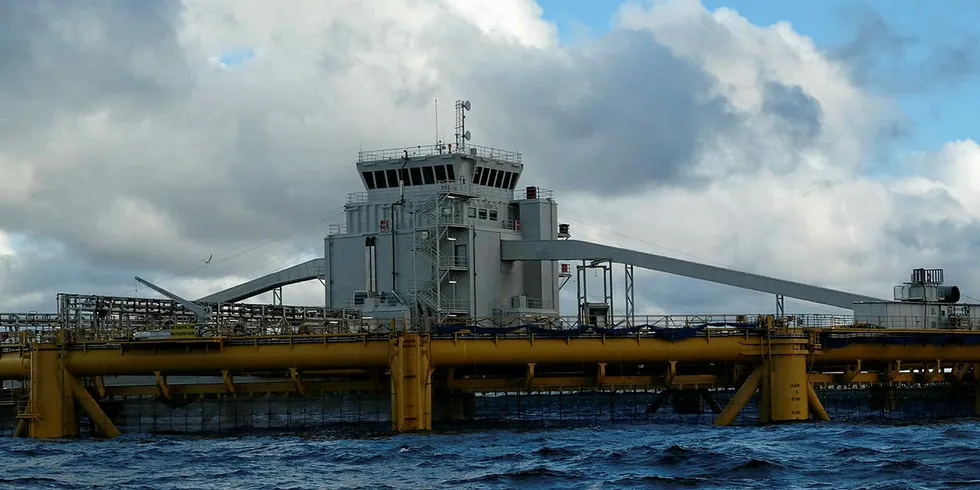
{"x":448,"y":231}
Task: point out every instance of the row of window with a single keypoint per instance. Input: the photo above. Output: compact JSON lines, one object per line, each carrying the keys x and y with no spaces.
{"x":383,"y":179}
{"x":492,"y":177}
{"x":482,"y":213}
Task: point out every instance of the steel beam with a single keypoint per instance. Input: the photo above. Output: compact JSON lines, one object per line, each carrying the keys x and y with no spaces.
{"x":580,"y":250}
{"x":306,"y":271}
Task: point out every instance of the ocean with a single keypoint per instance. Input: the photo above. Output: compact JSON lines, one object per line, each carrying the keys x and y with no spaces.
{"x":799,"y":456}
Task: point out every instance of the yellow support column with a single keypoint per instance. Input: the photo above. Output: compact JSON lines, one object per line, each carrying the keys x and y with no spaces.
{"x":51,"y":403}
{"x":411,"y":382}
{"x":786,"y":386}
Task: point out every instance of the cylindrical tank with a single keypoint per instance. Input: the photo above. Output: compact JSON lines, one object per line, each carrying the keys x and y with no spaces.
{"x":948,"y":294}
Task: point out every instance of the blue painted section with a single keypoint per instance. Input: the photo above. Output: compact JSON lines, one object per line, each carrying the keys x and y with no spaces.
{"x":647,"y":331}
{"x":832,"y":340}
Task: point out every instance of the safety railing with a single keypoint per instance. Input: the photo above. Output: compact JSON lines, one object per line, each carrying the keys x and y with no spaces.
{"x":422,"y":193}
{"x":420,"y":151}
{"x":116,"y":319}
{"x":452,"y":262}
{"x":536,"y":193}
{"x":523,"y":303}
{"x":902,"y":322}
{"x":13,"y":322}
{"x":509,"y":224}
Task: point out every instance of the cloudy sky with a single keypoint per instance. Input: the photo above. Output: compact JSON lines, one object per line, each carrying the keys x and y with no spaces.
{"x":829,"y":143}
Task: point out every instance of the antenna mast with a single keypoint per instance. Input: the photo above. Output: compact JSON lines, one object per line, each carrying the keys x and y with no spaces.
{"x":462,"y":135}
{"x":438,"y":142}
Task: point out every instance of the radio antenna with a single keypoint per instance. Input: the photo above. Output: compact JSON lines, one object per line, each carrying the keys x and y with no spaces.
{"x":462,"y":135}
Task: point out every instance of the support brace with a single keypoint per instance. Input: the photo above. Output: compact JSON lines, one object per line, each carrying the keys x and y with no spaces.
{"x":819,"y":412}
{"x":742,"y":396}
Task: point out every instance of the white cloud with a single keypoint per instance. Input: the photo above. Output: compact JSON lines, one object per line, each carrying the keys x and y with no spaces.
{"x":6,"y":248}
{"x":693,"y":130}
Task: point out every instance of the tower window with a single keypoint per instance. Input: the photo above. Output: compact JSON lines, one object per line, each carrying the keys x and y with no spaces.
{"x":379,"y":179}
{"x":492,"y":178}
{"x":493,"y":215}
{"x":451,"y":172}
{"x":500,"y":179}
{"x":416,"y":174}
{"x":476,"y":175}
{"x":429,"y":177}
{"x":471,"y":212}
{"x":483,"y":214}
{"x":369,"y":180}
{"x":392,"y":177}
{"x":507,"y":177}
{"x":440,"y":173}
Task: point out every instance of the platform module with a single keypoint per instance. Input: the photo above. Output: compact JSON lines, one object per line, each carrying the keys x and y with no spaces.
{"x":441,"y":298}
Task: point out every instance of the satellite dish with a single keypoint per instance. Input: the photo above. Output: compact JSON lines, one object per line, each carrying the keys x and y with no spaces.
{"x":466,"y":105}
{"x":466,"y":135}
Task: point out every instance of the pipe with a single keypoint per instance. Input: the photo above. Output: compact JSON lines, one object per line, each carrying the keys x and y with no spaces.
{"x":13,"y":366}
{"x":462,"y":352}
{"x":905,"y":353}
{"x":239,"y":359}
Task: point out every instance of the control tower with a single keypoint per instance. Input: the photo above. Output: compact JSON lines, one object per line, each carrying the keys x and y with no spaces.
{"x":445,"y":234}
{"x":424,"y":237}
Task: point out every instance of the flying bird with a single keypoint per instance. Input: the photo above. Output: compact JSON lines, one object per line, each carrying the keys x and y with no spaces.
{"x":208,"y":260}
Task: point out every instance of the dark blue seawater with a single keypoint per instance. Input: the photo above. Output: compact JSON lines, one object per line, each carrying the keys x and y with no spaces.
{"x":830,"y":455}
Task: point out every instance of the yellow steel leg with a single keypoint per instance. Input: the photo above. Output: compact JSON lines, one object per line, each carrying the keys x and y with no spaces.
{"x":818,"y":411}
{"x":787,"y":388}
{"x":21,"y":429}
{"x":50,"y":405}
{"x":411,"y":382}
{"x":742,"y":396}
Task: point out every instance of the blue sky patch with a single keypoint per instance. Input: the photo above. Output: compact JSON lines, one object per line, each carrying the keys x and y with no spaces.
{"x":922,"y":55}
{"x":236,"y":56}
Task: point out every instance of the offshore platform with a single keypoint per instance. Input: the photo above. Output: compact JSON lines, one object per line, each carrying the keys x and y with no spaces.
{"x":441,"y":303}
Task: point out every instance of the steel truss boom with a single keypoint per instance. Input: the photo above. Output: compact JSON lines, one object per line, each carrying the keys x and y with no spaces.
{"x":580,"y":250}
{"x":306,"y":271}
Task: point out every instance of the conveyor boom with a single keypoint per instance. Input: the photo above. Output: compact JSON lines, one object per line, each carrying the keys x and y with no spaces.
{"x":580,"y":250}
{"x":306,"y":271}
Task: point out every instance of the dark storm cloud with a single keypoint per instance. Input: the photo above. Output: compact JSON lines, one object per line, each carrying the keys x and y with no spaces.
{"x":620,"y":114}
{"x":62,"y":61}
{"x":63,"y":55}
{"x":799,"y":112}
